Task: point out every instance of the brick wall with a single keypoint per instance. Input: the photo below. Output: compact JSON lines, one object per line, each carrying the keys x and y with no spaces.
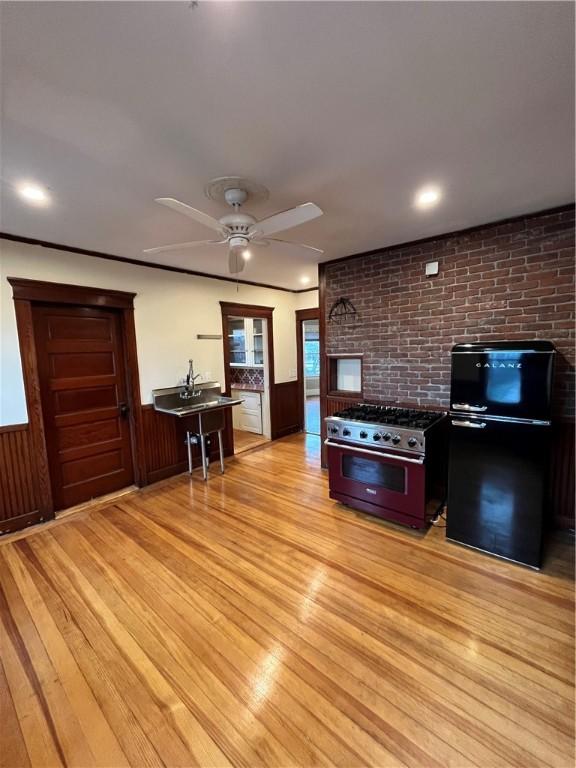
{"x":513,"y":280}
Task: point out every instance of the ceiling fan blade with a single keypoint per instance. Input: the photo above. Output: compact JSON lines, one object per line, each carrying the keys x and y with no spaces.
{"x":181,"y":246}
{"x":296,"y":245}
{"x":192,"y":213}
{"x":287,"y":219}
{"x":236,"y":261}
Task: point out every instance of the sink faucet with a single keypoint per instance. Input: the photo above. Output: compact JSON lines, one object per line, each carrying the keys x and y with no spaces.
{"x":190,"y":382}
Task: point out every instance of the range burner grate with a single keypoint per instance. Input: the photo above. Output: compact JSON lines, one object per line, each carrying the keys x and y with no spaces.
{"x":385,"y":414}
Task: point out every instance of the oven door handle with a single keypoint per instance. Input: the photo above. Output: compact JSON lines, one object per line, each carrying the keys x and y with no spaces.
{"x":330,"y":444}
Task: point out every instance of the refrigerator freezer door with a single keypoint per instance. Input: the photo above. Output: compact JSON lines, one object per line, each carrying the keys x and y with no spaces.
{"x":507,"y":383}
{"x":496,"y":487}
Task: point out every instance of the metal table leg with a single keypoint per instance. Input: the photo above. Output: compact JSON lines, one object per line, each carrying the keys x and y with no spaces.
{"x":189,"y":446}
{"x":203,"y":449}
{"x":221,"y":451}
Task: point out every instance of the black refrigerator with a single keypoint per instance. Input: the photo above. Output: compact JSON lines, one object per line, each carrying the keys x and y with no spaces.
{"x":500,"y":427}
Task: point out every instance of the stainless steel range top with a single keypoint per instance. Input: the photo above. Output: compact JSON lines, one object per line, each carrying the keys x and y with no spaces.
{"x":385,"y":426}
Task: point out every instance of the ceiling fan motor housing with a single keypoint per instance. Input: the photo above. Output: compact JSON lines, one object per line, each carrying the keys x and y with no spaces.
{"x":238,"y":223}
{"x":238,"y":241}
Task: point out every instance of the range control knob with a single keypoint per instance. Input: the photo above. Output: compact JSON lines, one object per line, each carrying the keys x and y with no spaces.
{"x":363,"y":435}
{"x":412,"y":442}
{"x":387,"y":436}
{"x":334,"y":430}
{"x":376,"y":436}
{"x":346,"y":432}
{"x":396,"y":439}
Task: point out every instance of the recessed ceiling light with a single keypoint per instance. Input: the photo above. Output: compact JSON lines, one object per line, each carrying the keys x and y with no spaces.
{"x":246,"y":255}
{"x":304,"y":279}
{"x":33,"y":193}
{"x":427,"y":197}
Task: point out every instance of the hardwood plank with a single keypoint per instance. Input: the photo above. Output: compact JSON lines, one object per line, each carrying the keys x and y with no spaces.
{"x":13,"y":752}
{"x":139,"y":723}
{"x":99,"y":736}
{"x":217,"y":559}
{"x":251,"y":621}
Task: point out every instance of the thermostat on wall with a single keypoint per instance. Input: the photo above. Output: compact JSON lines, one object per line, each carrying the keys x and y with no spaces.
{"x":431,"y":268}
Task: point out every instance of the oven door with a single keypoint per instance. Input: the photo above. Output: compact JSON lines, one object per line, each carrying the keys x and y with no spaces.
{"x":383,"y":479}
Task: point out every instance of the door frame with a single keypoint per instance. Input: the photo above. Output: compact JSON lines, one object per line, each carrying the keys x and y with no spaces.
{"x":27,"y":292}
{"x":301,"y":315}
{"x":231,"y":309}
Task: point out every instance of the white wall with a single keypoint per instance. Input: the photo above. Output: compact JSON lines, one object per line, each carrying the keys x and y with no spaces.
{"x":170,"y":309}
{"x":306,"y":300}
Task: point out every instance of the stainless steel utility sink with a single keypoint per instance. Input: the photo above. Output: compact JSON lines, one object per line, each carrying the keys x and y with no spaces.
{"x":182,"y":401}
{"x":207,"y":404}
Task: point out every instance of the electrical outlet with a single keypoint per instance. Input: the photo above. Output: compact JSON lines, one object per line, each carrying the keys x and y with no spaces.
{"x":208,"y":376}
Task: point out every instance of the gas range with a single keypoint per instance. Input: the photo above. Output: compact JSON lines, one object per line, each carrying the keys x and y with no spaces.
{"x":388,"y":461}
{"x":386,"y":426}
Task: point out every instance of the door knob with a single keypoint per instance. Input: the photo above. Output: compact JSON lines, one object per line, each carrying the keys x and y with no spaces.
{"x":124,"y":409}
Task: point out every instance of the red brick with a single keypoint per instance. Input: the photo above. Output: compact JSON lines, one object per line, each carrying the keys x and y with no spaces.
{"x":504,"y":281}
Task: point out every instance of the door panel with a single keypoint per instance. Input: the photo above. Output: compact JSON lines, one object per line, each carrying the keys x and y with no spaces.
{"x":63,"y":327}
{"x":71,"y":400}
{"x":70,"y":365}
{"x":87,"y":433}
{"x":83,"y":384}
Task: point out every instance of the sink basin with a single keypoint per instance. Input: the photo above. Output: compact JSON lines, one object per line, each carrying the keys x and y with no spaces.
{"x":171,"y":404}
{"x":221,"y":402}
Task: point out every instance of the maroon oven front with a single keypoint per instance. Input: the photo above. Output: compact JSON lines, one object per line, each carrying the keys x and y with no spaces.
{"x":389,"y":485}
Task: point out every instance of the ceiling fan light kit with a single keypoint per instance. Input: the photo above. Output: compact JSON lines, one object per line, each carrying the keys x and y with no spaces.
{"x":239,"y":230}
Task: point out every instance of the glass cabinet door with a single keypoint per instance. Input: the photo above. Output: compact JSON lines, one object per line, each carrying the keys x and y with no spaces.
{"x":258,"y":343}
{"x":237,"y":341}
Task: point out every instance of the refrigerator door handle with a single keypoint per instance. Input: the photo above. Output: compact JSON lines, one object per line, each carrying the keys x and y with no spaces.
{"x":471,"y":424}
{"x":467,"y":407}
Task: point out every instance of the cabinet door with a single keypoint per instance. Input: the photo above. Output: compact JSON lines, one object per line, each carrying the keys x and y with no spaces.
{"x":251,"y":422}
{"x":251,"y":401}
{"x":237,"y":339}
{"x":258,"y":341}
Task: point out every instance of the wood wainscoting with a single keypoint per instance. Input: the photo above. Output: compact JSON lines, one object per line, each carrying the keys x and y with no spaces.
{"x":19,"y":491}
{"x":285,"y":409}
{"x":562,"y":474}
{"x":165,"y":447}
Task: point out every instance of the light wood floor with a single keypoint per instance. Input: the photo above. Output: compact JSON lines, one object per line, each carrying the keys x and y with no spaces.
{"x":245,"y":441}
{"x":250,"y":621}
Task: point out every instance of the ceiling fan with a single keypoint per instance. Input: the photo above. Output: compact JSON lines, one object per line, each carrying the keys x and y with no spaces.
{"x":239,"y":230}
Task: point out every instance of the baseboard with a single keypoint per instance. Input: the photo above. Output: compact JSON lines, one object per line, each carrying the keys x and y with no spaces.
{"x":13,"y":524}
{"x":285,"y":431}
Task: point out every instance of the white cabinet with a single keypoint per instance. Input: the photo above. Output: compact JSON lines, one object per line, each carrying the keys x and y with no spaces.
{"x":246,"y":341}
{"x":247,"y":416}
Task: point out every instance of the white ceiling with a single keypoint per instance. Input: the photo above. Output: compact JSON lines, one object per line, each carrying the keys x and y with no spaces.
{"x":351,"y":105}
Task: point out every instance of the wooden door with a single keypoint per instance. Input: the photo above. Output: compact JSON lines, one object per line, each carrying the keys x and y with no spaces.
{"x":84,"y":401}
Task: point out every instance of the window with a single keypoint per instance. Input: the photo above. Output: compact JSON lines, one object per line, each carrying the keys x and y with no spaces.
{"x":312,"y":358}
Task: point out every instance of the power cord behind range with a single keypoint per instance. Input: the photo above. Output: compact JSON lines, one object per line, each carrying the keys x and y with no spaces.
{"x":440,"y":515}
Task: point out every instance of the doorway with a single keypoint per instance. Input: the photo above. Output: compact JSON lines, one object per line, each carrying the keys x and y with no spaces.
{"x":308,"y":344}
{"x":80,"y":371}
{"x":84,"y":397}
{"x":248,"y":372}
